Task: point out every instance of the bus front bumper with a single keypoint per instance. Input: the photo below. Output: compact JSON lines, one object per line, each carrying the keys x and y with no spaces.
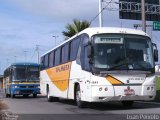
{"x":22,"y":91}
{"x":118,"y":93}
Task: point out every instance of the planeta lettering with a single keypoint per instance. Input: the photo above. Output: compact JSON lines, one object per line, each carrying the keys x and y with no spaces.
{"x":62,"y":68}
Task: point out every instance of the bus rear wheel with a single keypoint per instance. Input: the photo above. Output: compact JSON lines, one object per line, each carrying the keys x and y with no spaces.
{"x":79,"y":103}
{"x":7,"y":95}
{"x":25,"y":95}
{"x":127,"y":103}
{"x":34,"y":95}
{"x":12,"y":95}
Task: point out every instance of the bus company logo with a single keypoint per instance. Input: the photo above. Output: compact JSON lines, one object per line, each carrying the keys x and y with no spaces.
{"x":62,"y":68}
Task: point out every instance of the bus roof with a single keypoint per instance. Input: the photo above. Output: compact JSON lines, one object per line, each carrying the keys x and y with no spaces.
{"x":98,"y":30}
{"x":25,"y":64}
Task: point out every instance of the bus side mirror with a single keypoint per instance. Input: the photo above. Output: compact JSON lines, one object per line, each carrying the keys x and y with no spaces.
{"x":156,"y":55}
{"x":155,"y":52}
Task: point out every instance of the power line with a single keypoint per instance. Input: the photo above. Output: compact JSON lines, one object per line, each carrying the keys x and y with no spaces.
{"x":100,"y":12}
{"x":33,"y":55}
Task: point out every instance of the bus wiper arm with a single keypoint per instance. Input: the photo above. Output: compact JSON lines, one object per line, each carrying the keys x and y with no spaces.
{"x":121,"y":63}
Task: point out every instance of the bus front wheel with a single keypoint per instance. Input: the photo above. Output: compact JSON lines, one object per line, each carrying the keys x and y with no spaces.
{"x":7,"y":95}
{"x":12,"y":96}
{"x":79,"y":103}
{"x":34,"y":95}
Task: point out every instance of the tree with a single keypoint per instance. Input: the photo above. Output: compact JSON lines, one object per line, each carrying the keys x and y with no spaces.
{"x":76,"y":27}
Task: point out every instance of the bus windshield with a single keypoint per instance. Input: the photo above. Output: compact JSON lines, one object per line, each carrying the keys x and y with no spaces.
{"x":26,"y":73}
{"x":122,"y":52}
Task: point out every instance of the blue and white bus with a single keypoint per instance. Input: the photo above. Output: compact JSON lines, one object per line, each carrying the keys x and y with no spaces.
{"x":21,"y":79}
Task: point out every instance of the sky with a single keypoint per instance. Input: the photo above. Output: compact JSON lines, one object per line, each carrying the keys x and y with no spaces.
{"x":27,"y":23}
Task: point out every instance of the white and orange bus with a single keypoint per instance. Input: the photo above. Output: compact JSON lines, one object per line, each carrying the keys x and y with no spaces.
{"x":101,"y":65}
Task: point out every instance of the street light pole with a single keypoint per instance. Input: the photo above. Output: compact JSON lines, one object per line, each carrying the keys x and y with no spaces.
{"x":55,"y":42}
{"x":37,"y":49}
{"x":143,"y":15}
{"x":25,"y":53}
{"x":100,"y":14}
{"x":15,"y":59}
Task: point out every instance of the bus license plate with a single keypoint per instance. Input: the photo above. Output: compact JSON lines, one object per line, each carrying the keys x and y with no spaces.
{"x":129,"y":92}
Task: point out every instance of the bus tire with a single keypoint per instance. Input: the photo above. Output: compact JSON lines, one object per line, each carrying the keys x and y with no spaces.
{"x":79,"y":103}
{"x":12,"y":96}
{"x":34,"y":95}
{"x":25,"y":95}
{"x":7,"y":95}
{"x":127,"y":103}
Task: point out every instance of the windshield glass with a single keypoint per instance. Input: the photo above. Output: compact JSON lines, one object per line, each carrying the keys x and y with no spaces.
{"x":26,"y":73}
{"x":122,"y":52}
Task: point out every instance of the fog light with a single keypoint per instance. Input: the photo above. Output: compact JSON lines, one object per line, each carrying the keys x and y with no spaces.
{"x":100,"y":89}
{"x":152,"y":88}
{"x":106,"y":89}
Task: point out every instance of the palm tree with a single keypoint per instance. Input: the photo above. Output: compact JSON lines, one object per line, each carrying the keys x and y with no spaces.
{"x":74,"y":28}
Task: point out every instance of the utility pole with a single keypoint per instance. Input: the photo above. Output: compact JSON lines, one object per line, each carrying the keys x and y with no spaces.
{"x":37,"y":49}
{"x":143,"y":15}
{"x":100,"y":13}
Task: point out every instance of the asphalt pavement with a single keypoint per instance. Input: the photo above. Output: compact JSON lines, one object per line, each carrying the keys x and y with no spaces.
{"x":40,"y":109}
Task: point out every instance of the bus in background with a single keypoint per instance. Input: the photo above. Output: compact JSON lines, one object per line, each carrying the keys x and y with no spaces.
{"x":101,"y":65}
{"x":21,"y":79}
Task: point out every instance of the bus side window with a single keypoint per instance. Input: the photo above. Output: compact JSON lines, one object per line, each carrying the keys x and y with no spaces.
{"x":42,"y":67}
{"x":65,"y":53}
{"x":74,"y":48}
{"x":57,"y":56}
{"x":83,"y":57}
{"x":46,"y":61}
{"x":51,"y":59}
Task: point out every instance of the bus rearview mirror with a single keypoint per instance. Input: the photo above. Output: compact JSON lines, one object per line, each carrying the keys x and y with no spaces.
{"x":156,"y":55}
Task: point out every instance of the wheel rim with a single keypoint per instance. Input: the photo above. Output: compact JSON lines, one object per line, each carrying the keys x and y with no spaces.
{"x":78,"y":96}
{"x":48,"y":94}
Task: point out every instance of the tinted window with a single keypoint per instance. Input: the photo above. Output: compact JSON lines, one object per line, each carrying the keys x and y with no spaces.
{"x":57,"y":56}
{"x":83,"y":57}
{"x":65,"y":52}
{"x":74,"y":45}
{"x":46,"y":61}
{"x":51,"y":59}
{"x":42,"y":63}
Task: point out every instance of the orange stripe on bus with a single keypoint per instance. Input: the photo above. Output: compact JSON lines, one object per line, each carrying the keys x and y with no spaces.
{"x":113,"y":80}
{"x":59,"y":75}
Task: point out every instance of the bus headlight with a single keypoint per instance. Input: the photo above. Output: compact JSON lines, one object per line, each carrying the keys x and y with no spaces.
{"x":37,"y":86}
{"x":15,"y":86}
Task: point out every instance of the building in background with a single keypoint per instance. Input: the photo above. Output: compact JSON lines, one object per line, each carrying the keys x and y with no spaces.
{"x":157,"y":68}
{"x":1,"y":81}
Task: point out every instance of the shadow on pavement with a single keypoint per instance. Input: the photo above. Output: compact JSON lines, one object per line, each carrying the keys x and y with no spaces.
{"x":113,"y":105}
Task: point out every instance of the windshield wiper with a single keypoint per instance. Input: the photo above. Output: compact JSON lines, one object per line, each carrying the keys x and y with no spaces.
{"x":121,"y":63}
